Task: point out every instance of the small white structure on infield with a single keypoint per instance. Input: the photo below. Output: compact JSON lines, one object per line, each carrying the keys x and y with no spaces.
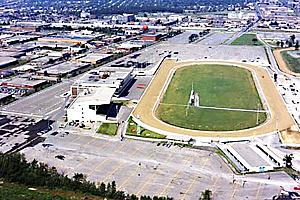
{"x":194,"y":98}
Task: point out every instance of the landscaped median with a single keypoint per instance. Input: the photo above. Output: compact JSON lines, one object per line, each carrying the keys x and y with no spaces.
{"x":132,"y":130}
{"x":248,"y":39}
{"x":108,"y":129}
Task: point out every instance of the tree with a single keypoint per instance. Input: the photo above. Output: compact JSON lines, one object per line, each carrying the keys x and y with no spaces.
{"x":79,"y":177}
{"x":281,"y":44}
{"x":206,"y":195}
{"x":254,"y":40}
{"x":278,"y":43}
{"x":297,"y":45}
{"x":102,"y":188}
{"x":133,"y":197}
{"x":293,"y":37}
{"x":288,"y":160}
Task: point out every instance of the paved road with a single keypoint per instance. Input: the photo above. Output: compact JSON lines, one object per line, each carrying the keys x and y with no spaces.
{"x":39,"y":104}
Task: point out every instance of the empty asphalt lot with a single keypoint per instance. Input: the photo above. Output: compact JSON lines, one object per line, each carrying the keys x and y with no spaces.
{"x":145,"y":168}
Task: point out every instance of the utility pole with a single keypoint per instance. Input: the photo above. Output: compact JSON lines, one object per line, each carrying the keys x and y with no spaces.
{"x":257,"y":114}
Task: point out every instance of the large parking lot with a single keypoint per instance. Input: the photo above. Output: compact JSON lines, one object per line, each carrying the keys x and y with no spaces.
{"x":16,"y":131}
{"x":215,"y":38}
{"x":146,"y":168}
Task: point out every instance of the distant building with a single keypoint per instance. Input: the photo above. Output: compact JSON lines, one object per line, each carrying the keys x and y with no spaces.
{"x":6,"y":61}
{"x":64,"y":69}
{"x":84,"y":14}
{"x":125,"y":18}
{"x":20,"y":86}
{"x":67,"y":39}
{"x":95,"y":58}
{"x":151,"y":36}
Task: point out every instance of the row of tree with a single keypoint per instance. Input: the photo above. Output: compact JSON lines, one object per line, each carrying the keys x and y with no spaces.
{"x":15,"y":168}
{"x":291,"y":42}
{"x":193,"y":37}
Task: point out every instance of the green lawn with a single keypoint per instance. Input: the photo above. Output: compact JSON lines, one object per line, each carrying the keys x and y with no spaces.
{"x":218,"y":86}
{"x":246,"y":39}
{"x":132,"y":130}
{"x":108,"y":129}
{"x":292,"y":63}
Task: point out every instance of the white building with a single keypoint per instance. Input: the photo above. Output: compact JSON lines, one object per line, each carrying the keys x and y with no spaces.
{"x":91,"y":105}
{"x":93,"y":94}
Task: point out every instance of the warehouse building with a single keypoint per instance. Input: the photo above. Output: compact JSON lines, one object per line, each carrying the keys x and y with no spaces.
{"x":95,"y":58}
{"x":6,"y":61}
{"x":67,"y":39}
{"x":64,"y":69}
{"x":21,"y":86}
{"x":153,"y":36}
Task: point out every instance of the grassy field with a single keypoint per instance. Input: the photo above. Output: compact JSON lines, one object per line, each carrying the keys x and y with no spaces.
{"x":132,"y":130}
{"x":292,"y":63}
{"x":12,"y":191}
{"x":246,"y":39}
{"x":218,"y":86}
{"x":108,"y":129}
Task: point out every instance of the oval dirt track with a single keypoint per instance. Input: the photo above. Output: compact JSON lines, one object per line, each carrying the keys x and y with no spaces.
{"x":145,"y":109}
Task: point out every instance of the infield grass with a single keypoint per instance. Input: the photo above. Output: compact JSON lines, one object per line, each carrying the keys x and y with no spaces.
{"x":292,"y":63}
{"x":218,"y":86}
{"x":246,"y":39}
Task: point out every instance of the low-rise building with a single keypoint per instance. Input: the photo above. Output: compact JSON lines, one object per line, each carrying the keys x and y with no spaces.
{"x":21,"y":86}
{"x":64,"y":69}
{"x":95,"y":58}
{"x":6,"y":61}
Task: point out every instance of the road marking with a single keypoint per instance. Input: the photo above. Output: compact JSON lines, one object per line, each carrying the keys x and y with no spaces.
{"x":193,"y":182}
{"x":135,"y":171}
{"x":189,"y":188}
{"x":163,"y":192}
{"x":75,"y":139}
{"x":258,"y":191}
{"x":101,"y":163}
{"x":234,"y":191}
{"x":121,"y":165}
{"x":148,"y":180}
{"x":21,"y":114}
{"x":102,"y":146}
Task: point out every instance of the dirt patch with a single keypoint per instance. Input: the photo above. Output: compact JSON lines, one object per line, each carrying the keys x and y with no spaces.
{"x":290,"y":137}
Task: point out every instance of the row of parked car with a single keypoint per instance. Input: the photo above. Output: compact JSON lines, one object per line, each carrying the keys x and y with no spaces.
{"x":14,"y":91}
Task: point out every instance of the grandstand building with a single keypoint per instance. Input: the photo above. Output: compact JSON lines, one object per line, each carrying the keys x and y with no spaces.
{"x":93,"y":93}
